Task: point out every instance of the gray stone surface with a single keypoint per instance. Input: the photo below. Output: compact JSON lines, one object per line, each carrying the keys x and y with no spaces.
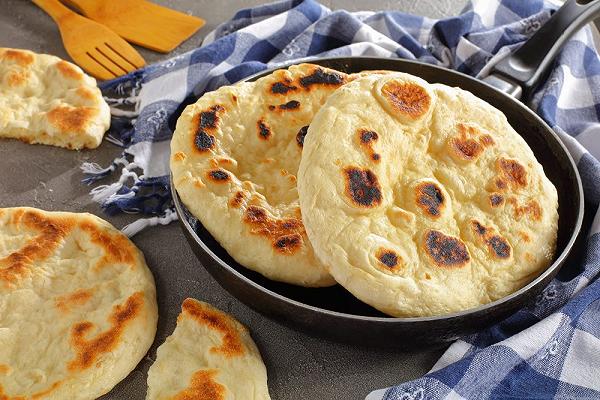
{"x":299,"y":366}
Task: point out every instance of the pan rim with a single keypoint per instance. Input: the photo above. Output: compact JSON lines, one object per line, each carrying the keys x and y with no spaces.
{"x":400,"y":320}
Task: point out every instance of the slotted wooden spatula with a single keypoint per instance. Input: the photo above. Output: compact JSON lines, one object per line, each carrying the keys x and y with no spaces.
{"x":141,"y":22}
{"x":92,"y":46}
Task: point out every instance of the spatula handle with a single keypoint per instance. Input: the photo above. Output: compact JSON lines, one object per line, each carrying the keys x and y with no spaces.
{"x":54,"y":8}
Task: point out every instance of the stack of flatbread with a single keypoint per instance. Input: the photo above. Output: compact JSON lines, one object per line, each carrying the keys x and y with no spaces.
{"x":420,"y":199}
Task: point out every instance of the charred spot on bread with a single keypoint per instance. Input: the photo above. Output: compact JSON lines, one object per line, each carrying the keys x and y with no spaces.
{"x":209,"y":119}
{"x":430,"y":199}
{"x":203,"y":141}
{"x":288,"y":243}
{"x":237,"y":199}
{"x":388,"y":259}
{"x":204,"y":123}
{"x":264,"y":131}
{"x":321,"y":77}
{"x":497,"y":245}
{"x":496,"y":199}
{"x":301,"y":135}
{"x":285,"y":234}
{"x":446,"y":251}
{"x":513,"y":172}
{"x":218,"y":175}
{"x":283,"y":87}
{"x":367,"y":136}
{"x":362,"y":187}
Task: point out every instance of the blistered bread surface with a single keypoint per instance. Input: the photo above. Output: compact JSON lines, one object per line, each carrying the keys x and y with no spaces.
{"x":234,"y":158}
{"x":422,"y":199}
{"x":77,"y":305}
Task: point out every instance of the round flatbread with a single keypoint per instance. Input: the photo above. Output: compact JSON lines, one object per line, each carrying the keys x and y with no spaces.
{"x":46,"y":100}
{"x":210,"y":355}
{"x":77,"y":305}
{"x":234,"y":158}
{"x":422,"y":199}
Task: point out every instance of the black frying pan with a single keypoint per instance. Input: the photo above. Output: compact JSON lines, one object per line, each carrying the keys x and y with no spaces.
{"x":333,"y":312}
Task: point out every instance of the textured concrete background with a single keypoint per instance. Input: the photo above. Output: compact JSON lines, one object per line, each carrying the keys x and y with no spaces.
{"x":299,"y":366}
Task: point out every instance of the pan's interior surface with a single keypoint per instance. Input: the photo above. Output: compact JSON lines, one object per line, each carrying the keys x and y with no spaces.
{"x":557,"y":164}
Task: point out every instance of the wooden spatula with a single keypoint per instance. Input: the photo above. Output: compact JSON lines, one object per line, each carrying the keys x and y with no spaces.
{"x":92,"y":46}
{"x":141,"y":22}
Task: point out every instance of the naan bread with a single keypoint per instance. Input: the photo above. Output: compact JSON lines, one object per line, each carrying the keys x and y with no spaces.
{"x":209,"y":356}
{"x":46,"y":100}
{"x":77,"y":305}
{"x":234,"y":158}
{"x":422,"y":199}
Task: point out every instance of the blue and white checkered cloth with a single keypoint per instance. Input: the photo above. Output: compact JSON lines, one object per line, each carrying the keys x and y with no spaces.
{"x":548,"y":350}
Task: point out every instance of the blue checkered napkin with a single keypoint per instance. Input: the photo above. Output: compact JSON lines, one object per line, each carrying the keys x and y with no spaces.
{"x":551,"y":349}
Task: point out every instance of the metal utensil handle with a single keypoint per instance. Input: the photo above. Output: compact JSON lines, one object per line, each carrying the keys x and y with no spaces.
{"x":527,"y":66}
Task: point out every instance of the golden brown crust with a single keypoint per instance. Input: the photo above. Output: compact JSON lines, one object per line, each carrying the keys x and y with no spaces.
{"x":202,"y":387}
{"x":87,"y":351}
{"x":407,"y":99}
{"x":22,"y":58}
{"x":86,"y":93}
{"x":18,"y":264}
{"x":530,"y":209}
{"x":68,"y":71}
{"x":179,"y":156}
{"x":77,"y":298}
{"x":231,"y":345}
{"x":71,"y":119}
{"x":18,"y":78}
{"x":513,"y":172}
{"x":286,"y":235}
{"x":117,"y":248}
{"x":497,"y":245}
{"x":237,"y":199}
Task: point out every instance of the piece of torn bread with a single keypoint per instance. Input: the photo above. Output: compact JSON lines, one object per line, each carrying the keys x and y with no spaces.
{"x":46,"y":100}
{"x":210,"y":355}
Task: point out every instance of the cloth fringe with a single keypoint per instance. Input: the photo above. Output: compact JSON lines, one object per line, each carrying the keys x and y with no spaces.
{"x":143,"y":223}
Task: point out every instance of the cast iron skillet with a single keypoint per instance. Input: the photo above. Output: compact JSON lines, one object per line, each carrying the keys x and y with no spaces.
{"x":333,"y":312}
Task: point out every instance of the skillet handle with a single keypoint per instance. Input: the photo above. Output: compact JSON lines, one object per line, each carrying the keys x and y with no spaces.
{"x":527,"y":66}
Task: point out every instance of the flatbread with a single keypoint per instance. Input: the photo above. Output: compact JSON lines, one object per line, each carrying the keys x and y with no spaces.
{"x":46,"y":100}
{"x":77,"y":305}
{"x":234,"y":158}
{"x":209,"y":356}
{"x":422,"y":199}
